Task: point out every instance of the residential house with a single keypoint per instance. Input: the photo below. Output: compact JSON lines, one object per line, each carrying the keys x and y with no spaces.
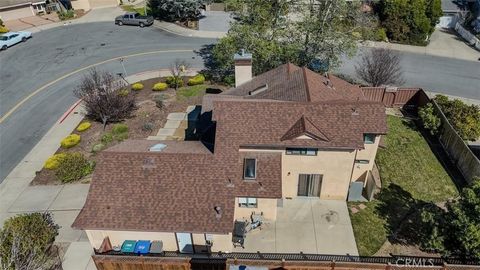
{"x":17,"y":9}
{"x":286,"y":134}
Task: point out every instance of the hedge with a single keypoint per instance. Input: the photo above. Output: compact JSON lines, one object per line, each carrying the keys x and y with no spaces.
{"x":160,"y":86}
{"x":70,"y":141}
{"x":53,"y":162}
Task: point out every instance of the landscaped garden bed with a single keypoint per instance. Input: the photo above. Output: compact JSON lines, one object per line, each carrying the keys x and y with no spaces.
{"x":90,"y":137}
{"x":413,"y":182}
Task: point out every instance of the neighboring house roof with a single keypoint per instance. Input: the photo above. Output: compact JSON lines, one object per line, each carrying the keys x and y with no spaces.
{"x":13,"y":3}
{"x":292,"y":83}
{"x":176,"y":189}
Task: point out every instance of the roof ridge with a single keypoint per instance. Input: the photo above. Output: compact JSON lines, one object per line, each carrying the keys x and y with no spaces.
{"x":304,"y":126}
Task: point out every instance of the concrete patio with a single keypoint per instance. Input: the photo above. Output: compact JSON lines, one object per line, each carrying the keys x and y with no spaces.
{"x":305,"y":225}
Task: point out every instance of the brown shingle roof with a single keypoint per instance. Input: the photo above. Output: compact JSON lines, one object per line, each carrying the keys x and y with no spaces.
{"x":292,"y":83}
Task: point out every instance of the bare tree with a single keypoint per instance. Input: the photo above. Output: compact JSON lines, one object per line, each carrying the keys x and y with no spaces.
{"x":104,"y":98}
{"x":380,"y":66}
{"x":178,"y":69}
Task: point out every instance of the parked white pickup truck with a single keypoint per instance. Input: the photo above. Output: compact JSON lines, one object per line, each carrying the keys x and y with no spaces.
{"x":11,"y":38}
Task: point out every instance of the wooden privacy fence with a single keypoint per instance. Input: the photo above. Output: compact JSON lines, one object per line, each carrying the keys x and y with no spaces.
{"x":457,"y":149}
{"x":396,"y":97}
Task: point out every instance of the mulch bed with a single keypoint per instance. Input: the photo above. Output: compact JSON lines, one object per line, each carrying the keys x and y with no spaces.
{"x":147,"y":112}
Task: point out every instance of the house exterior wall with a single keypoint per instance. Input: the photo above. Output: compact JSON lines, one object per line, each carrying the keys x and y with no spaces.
{"x":16,"y":13}
{"x":221,"y":242}
{"x":335,"y":166}
{"x":267,"y":206}
{"x":369,"y":154}
{"x":103,"y":3}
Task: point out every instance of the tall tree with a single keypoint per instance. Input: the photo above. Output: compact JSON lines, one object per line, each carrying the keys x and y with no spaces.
{"x":175,"y":10}
{"x":380,"y":66}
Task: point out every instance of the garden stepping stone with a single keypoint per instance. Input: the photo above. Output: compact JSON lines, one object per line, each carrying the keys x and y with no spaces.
{"x":190,"y":109}
{"x":172,"y":124}
{"x":157,"y":138}
{"x":362,"y":206}
{"x":354,"y":210}
{"x":166,"y":131}
{"x":177,"y":116}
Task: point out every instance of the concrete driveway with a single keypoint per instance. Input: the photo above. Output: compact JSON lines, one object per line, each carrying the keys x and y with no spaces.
{"x":308,"y":226}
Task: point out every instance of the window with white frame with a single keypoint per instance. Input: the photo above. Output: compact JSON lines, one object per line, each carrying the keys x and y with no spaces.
{"x":247,"y":202}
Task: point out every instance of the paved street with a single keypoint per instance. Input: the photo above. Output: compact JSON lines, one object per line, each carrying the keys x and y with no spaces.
{"x":53,"y":53}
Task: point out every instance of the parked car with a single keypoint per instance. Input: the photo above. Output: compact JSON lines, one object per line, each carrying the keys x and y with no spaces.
{"x":132,"y":18}
{"x":11,"y":38}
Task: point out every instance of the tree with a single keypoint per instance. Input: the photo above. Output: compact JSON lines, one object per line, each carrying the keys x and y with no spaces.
{"x":464,"y":223}
{"x":430,"y":119}
{"x":175,"y":10}
{"x":103,"y":97}
{"x":178,"y":69}
{"x":26,"y":242}
{"x":313,"y":33}
{"x":408,"y":21}
{"x":380,"y":66}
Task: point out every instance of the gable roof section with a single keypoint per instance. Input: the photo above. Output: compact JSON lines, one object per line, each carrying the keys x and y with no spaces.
{"x":274,"y":124}
{"x":289,"y":82}
{"x":304,"y":126}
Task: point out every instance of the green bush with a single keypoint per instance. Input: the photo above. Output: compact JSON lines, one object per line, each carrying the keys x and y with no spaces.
{"x":137,"y":86}
{"x":73,"y":167}
{"x":28,"y":238}
{"x":98,"y":147}
{"x":380,"y":34}
{"x":119,"y":128}
{"x":53,"y":162}
{"x":120,"y":136}
{"x":4,"y":29}
{"x":430,"y":119}
{"x":160,"y":86}
{"x":65,"y":15}
{"x":148,"y":126}
{"x":70,"y":141}
{"x":107,"y":138}
{"x":84,"y":126}
{"x":464,"y":118}
{"x":198,"y":79}
{"x":174,"y":82}
{"x":124,"y":92}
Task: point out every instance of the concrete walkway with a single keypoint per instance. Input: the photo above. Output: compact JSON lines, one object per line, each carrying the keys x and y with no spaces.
{"x":182,"y":31}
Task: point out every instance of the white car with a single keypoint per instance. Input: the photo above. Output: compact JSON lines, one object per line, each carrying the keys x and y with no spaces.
{"x":11,"y":38}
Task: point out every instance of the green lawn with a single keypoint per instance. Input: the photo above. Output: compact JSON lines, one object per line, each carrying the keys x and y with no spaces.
{"x":191,"y":91}
{"x":411,"y":175}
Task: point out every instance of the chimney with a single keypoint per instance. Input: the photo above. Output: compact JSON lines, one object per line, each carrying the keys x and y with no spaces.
{"x":243,"y":67}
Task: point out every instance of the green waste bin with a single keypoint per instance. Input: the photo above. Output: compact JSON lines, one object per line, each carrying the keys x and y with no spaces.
{"x":129,"y":246}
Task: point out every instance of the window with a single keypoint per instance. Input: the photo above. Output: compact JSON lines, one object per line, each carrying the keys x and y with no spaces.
{"x":302,"y":151}
{"x":369,"y":138}
{"x":361,"y":161}
{"x":250,"y":168}
{"x":247,"y":202}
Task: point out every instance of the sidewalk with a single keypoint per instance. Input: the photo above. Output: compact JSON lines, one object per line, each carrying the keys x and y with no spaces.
{"x":182,"y":31}
{"x":443,"y":43}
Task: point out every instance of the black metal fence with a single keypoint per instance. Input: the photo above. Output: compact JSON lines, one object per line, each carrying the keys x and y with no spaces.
{"x":220,"y":256}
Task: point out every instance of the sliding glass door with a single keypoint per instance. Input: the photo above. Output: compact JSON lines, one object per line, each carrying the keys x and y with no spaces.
{"x":309,"y":185}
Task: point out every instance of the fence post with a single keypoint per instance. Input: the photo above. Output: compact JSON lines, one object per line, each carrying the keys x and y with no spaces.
{"x":444,"y":266}
{"x":333,"y":265}
{"x":389,"y":266}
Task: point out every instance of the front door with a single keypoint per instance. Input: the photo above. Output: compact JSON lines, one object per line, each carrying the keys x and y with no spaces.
{"x":185,"y":243}
{"x":309,"y":185}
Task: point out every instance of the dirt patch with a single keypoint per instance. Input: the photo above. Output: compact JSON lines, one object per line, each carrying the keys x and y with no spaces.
{"x":399,"y":249}
{"x":144,"y":122}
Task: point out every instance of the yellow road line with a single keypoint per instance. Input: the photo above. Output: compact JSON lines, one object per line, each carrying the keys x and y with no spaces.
{"x":25,"y":99}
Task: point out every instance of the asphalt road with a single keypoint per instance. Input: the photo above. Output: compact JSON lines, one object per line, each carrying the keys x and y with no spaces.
{"x":56,"y":52}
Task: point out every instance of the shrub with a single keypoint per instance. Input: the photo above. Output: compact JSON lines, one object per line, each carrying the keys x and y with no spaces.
{"x":464,"y":118}
{"x":380,"y":34}
{"x":121,"y":136}
{"x":158,"y":99}
{"x":124,"y":92}
{"x":73,"y":167}
{"x":198,"y":79}
{"x":27,"y":239}
{"x":107,"y":138}
{"x":4,"y":29}
{"x":53,"y":162}
{"x":160,"y":86}
{"x":84,"y":126}
{"x":65,"y":15}
{"x":70,"y":141}
{"x":137,"y":86}
{"x":174,"y":82}
{"x":430,"y":120}
{"x":148,"y":126}
{"x":98,"y":147}
{"x":119,"y":128}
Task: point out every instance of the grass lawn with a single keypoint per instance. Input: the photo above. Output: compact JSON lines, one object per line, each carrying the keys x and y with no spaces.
{"x":407,"y":163}
{"x":191,"y":91}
